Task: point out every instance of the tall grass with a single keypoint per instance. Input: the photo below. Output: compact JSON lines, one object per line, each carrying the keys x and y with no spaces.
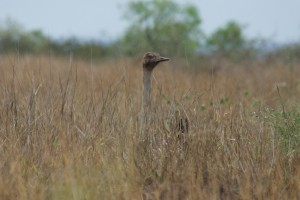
{"x":72,"y":130}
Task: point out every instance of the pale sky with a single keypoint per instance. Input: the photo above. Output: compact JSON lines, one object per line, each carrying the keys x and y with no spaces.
{"x":278,"y":20}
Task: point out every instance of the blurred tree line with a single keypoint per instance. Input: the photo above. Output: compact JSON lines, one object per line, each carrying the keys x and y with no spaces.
{"x":13,"y":38}
{"x":155,"y":25}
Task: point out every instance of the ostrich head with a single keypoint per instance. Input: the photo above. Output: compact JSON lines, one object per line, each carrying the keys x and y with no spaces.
{"x":151,"y":59}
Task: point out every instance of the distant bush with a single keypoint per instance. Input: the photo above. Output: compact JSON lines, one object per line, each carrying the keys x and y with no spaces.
{"x":229,"y":41}
{"x":162,"y":25}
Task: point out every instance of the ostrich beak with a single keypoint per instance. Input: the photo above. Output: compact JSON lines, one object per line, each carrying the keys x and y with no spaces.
{"x":162,"y":59}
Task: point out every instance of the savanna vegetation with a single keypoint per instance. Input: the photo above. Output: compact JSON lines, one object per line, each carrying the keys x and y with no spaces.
{"x":71,"y":118}
{"x":72,"y":130}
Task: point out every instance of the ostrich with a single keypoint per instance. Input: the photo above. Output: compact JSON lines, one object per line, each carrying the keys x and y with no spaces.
{"x":150,"y":61}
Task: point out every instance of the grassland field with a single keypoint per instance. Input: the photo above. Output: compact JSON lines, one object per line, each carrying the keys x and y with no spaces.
{"x":71,"y":129}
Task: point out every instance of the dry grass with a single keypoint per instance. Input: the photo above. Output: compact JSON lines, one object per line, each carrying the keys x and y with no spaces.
{"x":72,"y":130}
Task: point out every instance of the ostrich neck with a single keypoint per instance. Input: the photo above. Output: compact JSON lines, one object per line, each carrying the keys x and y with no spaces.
{"x":147,"y":87}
